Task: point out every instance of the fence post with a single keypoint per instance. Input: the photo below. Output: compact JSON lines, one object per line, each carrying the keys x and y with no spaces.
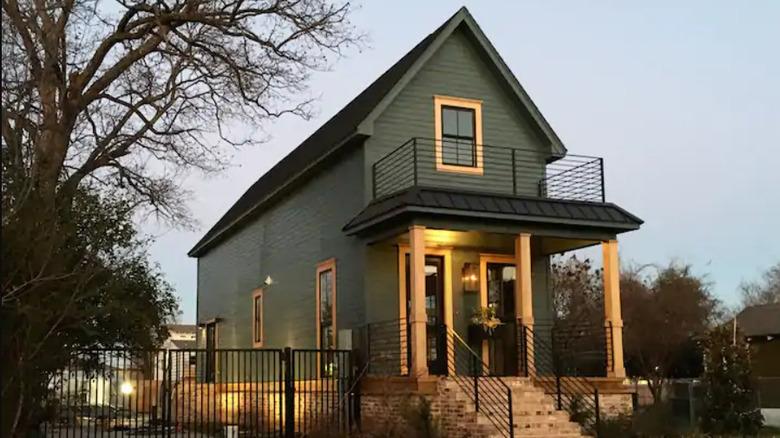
{"x":556,"y":371}
{"x":355,"y":395}
{"x":289,"y":393}
{"x":168,"y":393}
{"x":601,"y":169}
{"x":598,"y":410}
{"x":511,"y":414}
{"x":476,"y":381}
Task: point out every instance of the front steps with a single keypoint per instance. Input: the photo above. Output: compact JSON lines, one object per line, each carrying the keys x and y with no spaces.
{"x":534,"y":413}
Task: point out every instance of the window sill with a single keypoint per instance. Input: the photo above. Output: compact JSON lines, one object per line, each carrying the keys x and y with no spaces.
{"x":459,"y":169}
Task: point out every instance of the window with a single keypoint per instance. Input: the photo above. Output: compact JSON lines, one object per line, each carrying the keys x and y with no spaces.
{"x":458,"y":133}
{"x":210,"y":370}
{"x":326,"y":305}
{"x":257,"y":318}
{"x":458,"y":144}
{"x":326,"y":315}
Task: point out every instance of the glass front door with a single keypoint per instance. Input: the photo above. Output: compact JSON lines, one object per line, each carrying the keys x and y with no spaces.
{"x":502,"y":346}
{"x":434,"y":311}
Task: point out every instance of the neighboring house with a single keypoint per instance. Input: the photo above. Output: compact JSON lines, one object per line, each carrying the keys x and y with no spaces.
{"x":761,"y":327}
{"x":438,"y":190}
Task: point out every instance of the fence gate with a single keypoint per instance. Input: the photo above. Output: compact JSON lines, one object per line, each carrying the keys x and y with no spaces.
{"x":202,"y":393}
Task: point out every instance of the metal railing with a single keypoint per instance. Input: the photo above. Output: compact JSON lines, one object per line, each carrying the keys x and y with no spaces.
{"x":490,"y":394}
{"x":384,"y":347}
{"x":162,"y":393}
{"x":498,"y":169}
{"x":581,"y":348}
{"x":572,"y":394}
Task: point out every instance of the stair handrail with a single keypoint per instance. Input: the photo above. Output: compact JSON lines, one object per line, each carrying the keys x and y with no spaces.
{"x":566,"y":391}
{"x":491,"y":390}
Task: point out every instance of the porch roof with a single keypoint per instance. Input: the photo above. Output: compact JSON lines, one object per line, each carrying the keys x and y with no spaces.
{"x":458,"y":204}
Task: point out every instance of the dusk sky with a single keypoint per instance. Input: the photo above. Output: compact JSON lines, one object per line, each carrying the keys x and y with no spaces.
{"x":681,"y":99}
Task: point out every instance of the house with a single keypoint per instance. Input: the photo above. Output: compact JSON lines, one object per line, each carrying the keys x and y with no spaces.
{"x":761,"y":326}
{"x":439,"y":190}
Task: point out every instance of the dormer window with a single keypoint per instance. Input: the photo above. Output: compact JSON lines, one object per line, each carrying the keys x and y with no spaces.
{"x":458,"y":126}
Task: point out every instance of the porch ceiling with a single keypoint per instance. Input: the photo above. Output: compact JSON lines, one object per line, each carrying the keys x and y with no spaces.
{"x":459,"y":210}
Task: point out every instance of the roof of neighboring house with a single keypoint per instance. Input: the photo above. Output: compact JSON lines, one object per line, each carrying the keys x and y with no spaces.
{"x":183,"y":328}
{"x":346,"y":124}
{"x":763,"y":320}
{"x":491,"y":206}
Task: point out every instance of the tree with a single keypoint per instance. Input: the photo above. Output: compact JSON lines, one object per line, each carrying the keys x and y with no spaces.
{"x":729,"y":404}
{"x":763,"y":291}
{"x":104,"y":106}
{"x":578,"y":292}
{"x":126,"y":95}
{"x":665,"y":315}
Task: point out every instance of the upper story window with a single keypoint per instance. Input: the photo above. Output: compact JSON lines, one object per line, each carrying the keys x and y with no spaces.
{"x":458,"y":133}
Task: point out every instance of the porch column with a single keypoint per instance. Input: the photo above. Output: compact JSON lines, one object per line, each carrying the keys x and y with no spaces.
{"x":613,"y":321}
{"x":417,"y":318}
{"x":523,"y":293}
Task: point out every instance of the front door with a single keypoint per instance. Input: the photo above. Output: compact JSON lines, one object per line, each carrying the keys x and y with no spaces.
{"x":434,"y":310}
{"x":502,"y":346}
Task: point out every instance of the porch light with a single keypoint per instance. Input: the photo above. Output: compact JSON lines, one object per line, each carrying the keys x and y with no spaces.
{"x":471,"y":277}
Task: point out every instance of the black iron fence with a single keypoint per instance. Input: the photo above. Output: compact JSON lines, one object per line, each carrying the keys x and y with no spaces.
{"x":199,"y":393}
{"x":502,"y":170}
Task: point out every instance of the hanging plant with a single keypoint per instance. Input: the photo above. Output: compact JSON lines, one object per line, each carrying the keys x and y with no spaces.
{"x":486,"y":318}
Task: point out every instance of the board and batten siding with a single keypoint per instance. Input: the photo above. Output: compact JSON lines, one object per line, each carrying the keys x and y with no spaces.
{"x":286,"y":242}
{"x":457,"y":69}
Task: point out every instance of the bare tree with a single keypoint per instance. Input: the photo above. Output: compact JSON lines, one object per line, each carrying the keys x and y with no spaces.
{"x":763,"y":291}
{"x":126,"y":94}
{"x":104,"y":106}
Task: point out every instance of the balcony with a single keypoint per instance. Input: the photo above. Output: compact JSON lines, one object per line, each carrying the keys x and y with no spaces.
{"x":504,"y":170}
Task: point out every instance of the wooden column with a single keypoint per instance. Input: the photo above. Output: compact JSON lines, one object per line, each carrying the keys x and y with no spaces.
{"x":524,"y":293}
{"x":613,"y":320}
{"x":417,"y":318}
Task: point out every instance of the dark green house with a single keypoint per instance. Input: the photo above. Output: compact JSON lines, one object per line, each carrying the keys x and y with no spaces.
{"x":437,"y":192}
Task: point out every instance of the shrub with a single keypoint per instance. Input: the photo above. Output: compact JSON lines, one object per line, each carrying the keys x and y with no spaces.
{"x":729,"y":400}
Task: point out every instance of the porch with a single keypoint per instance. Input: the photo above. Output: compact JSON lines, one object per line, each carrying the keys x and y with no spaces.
{"x":423,"y":318}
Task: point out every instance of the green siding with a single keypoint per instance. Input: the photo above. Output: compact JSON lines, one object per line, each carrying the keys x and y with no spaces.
{"x":456,"y":69}
{"x":286,"y":243}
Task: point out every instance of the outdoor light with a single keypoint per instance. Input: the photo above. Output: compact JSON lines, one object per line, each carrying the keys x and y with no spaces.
{"x":471,"y":277}
{"x":126,"y":388}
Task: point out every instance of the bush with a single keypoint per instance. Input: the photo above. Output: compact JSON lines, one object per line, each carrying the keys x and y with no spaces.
{"x":729,"y":400}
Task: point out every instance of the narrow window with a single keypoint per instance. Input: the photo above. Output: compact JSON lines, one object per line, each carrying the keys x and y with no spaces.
{"x":257,"y":318}
{"x":326,"y":313}
{"x":458,"y":134}
{"x":210,"y":368}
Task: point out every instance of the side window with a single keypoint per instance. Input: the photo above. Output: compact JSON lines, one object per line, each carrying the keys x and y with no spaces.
{"x":326,"y":305}
{"x":210,"y":366}
{"x":257,"y":318}
{"x":458,"y":134}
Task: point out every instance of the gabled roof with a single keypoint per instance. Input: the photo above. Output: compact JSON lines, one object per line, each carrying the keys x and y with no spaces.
{"x":457,"y":203}
{"x":356,"y":119}
{"x":761,"y":320}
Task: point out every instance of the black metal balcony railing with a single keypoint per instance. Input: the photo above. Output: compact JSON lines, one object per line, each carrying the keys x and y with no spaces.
{"x":505,"y":170}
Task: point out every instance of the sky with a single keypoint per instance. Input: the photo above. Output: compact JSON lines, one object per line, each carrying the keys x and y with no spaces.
{"x":681,"y":99}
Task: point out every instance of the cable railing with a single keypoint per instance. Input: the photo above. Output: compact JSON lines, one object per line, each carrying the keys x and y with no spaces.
{"x":492,"y":169}
{"x":385,"y":347}
{"x":490,"y":395}
{"x":572,"y":394}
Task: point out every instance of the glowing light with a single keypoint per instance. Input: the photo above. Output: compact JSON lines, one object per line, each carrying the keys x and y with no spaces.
{"x":126,"y":388}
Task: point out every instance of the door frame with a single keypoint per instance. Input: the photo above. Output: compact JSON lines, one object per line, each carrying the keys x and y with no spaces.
{"x":446,"y":253}
{"x":484,"y":259}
